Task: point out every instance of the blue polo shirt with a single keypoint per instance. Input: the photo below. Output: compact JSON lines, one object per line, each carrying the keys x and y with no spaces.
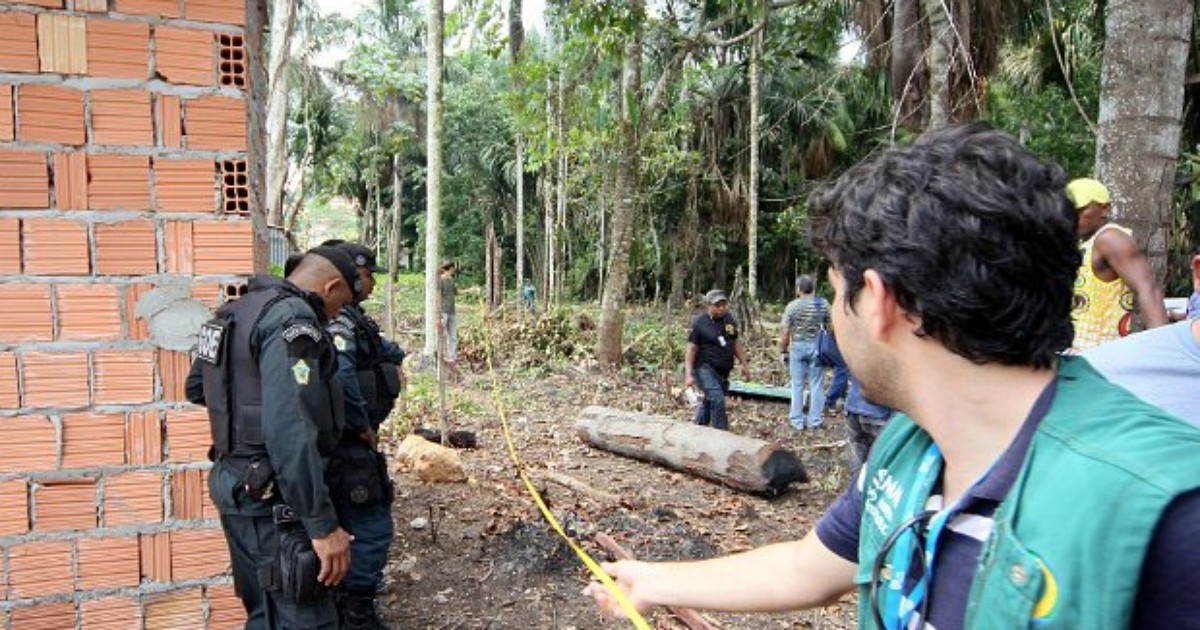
{"x":1169,"y":591}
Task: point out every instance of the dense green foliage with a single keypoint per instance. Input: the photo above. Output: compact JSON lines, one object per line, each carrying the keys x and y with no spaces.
{"x":822,"y":110}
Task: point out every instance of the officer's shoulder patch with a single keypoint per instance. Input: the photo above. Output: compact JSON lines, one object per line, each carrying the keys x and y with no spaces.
{"x":295,"y":331}
{"x":339,"y":327}
{"x":301,"y":371}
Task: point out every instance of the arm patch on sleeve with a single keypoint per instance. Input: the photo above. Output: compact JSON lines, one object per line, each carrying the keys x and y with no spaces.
{"x":295,"y":331}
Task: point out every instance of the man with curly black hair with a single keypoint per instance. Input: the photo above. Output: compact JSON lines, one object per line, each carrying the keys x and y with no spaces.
{"x":1016,"y":486}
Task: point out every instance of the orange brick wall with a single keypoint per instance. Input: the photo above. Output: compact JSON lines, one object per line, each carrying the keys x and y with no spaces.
{"x":123,"y":140}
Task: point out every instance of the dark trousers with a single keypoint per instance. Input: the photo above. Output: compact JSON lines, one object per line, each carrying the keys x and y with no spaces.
{"x":711,"y":412}
{"x":253,"y":543}
{"x":837,"y":387}
{"x":371,"y":526}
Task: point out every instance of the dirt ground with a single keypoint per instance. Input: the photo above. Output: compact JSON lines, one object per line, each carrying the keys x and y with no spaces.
{"x":479,"y":554}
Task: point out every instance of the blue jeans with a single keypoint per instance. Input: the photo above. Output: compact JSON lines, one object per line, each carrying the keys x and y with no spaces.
{"x":803,"y":368}
{"x":837,"y":387}
{"x":372,"y":528}
{"x":712,"y":410}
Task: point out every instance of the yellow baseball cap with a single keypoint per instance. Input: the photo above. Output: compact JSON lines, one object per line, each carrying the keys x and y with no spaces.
{"x":1085,"y":190}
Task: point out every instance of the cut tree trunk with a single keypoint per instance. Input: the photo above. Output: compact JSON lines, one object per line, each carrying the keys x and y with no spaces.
{"x":1141,"y":108}
{"x":740,"y":462}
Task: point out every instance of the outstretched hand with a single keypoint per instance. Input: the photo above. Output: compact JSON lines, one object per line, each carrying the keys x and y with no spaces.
{"x":631,"y":576}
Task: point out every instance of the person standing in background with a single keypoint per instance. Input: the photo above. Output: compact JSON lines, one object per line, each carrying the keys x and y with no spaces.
{"x":713,"y":342}
{"x":1114,"y":275}
{"x":803,"y":319}
{"x":448,"y":320}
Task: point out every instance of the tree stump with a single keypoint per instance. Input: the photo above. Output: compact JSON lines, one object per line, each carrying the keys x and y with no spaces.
{"x":743,"y":463}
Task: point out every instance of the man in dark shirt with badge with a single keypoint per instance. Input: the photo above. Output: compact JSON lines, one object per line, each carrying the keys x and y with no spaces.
{"x":369,"y":370}
{"x":1016,"y":487}
{"x":713,"y":343}
{"x":265,"y":371}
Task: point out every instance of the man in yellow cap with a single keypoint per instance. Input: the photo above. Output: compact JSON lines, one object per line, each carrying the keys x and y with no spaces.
{"x":1113,"y":275}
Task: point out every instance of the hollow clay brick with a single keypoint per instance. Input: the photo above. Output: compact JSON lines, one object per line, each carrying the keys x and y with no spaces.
{"x":119,"y":182}
{"x":28,"y":309}
{"x":177,"y":609}
{"x":222,"y":11}
{"x":40,"y":568}
{"x":10,"y":396}
{"x":10,"y":247}
{"x":62,"y":43}
{"x":45,"y":617}
{"x":198,"y":553}
{"x":126,"y":248}
{"x":55,"y":247}
{"x":225,"y":610}
{"x":124,"y":376}
{"x":143,"y":438}
{"x":8,"y":127}
{"x":71,"y":181}
{"x":50,"y":113}
{"x":223,"y":247}
{"x":88,"y":312}
{"x":133,"y":499}
{"x":188,"y":435}
{"x":26,"y":180}
{"x":185,"y":185}
{"x":155,"y":556}
{"x":54,"y":379}
{"x":184,"y":55}
{"x":19,"y":53}
{"x":157,"y":8}
{"x":108,"y":562}
{"x":173,"y":369}
{"x":215,"y":123}
{"x":122,"y":117}
{"x":111,"y":613}
{"x":65,"y":505}
{"x":93,"y":439}
{"x":118,"y":49}
{"x":14,"y":507}
{"x":27,"y":444}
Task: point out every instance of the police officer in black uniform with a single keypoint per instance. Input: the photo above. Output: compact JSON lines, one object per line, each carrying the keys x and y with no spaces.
{"x":267,"y":367}
{"x":369,"y":373}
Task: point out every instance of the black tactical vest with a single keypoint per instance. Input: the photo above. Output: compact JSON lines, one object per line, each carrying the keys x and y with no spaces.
{"x":377,"y":379}
{"x":233,"y":384}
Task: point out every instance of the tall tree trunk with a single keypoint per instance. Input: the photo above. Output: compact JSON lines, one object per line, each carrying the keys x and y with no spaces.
{"x":434,"y":21}
{"x":393,"y":248}
{"x":939,"y":58}
{"x":752,"y":227}
{"x":908,"y":80}
{"x":683,"y":254}
{"x":612,"y":316}
{"x":516,"y":41}
{"x":561,"y":193}
{"x":283,"y":26}
{"x":256,"y":131}
{"x":1141,"y":106}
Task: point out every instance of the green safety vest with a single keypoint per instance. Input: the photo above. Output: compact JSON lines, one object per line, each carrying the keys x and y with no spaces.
{"x":1068,"y":542}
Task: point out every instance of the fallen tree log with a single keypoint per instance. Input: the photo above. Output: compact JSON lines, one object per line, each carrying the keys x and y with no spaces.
{"x":740,"y":462}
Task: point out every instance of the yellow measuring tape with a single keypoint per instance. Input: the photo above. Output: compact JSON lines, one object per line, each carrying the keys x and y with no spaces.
{"x":634,"y":616}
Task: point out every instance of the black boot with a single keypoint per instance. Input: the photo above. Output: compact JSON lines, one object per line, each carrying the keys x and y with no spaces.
{"x":358,"y":612}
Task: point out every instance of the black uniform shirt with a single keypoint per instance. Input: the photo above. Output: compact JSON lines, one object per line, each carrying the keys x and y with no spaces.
{"x":715,"y":341}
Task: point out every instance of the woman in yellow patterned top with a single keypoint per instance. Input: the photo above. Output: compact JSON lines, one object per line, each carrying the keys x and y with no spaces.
{"x":1114,"y":276}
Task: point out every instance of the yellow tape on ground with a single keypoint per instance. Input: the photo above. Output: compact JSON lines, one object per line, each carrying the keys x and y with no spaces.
{"x":634,"y":616}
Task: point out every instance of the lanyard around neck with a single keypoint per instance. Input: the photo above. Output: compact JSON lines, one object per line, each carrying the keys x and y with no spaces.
{"x":900,"y":605}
